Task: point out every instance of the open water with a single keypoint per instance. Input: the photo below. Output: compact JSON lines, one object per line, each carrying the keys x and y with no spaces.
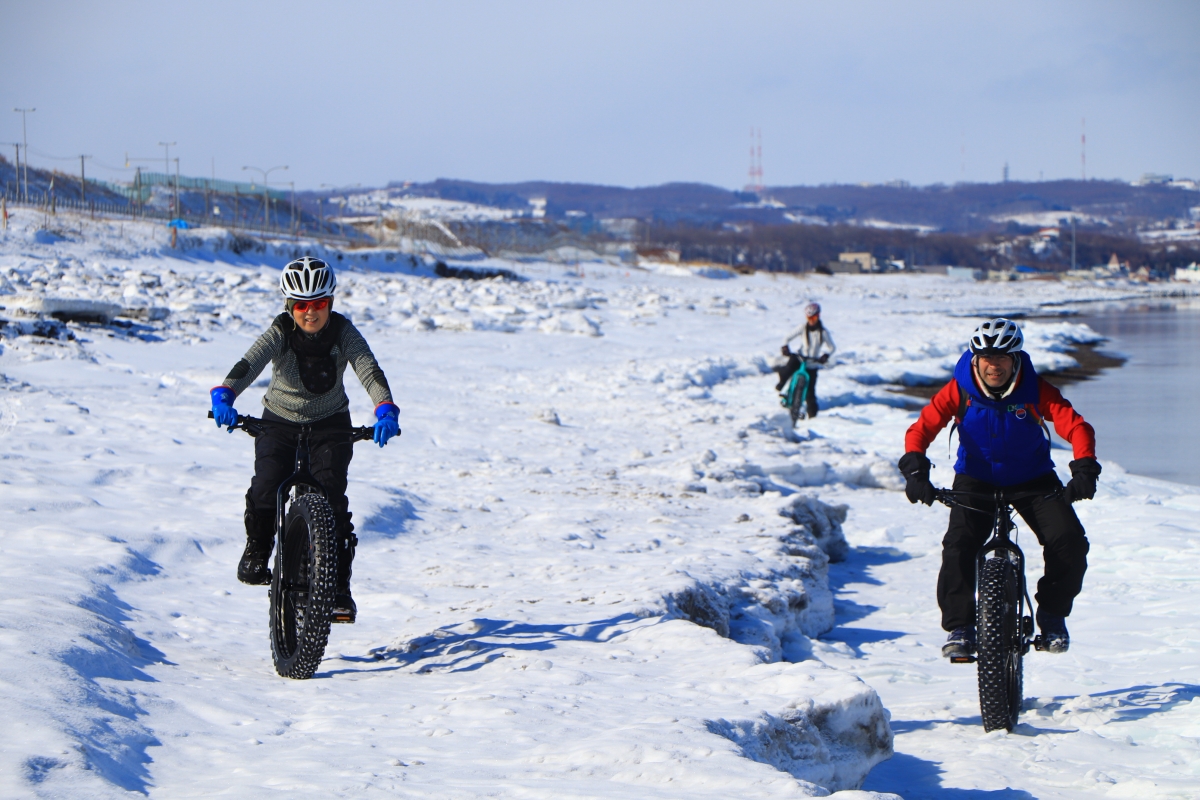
{"x":1147,"y":412}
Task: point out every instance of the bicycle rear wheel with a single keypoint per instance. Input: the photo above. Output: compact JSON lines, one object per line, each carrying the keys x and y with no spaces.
{"x":302,"y":587}
{"x":999,"y":642}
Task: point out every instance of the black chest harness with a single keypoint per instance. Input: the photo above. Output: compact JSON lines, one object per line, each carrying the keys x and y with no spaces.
{"x":314,"y":353}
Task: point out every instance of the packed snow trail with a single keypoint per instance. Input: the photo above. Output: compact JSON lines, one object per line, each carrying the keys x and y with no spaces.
{"x":583,"y":568}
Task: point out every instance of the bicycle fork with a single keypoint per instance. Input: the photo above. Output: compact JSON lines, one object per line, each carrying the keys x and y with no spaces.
{"x":1003,"y":547}
{"x":301,"y":477}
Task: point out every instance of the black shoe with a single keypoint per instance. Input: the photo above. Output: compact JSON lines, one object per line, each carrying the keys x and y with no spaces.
{"x":960,"y":644}
{"x":1054,"y":638}
{"x":252,"y":569}
{"x":344,"y":609}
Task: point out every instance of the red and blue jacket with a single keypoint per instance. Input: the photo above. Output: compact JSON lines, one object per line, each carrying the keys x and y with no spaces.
{"x":1002,"y":442}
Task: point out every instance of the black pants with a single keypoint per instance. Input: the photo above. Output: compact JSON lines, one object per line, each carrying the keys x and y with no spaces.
{"x":275,"y":461}
{"x":791,"y":368}
{"x":1053,"y":522}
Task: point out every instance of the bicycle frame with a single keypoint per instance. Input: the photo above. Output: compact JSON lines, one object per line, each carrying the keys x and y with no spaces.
{"x":1000,"y":540}
{"x":302,"y":476}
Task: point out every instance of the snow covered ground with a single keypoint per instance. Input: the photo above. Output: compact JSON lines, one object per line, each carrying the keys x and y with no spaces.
{"x":596,"y":564}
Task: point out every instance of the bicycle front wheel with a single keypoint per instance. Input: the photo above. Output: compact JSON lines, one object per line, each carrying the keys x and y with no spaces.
{"x":302,"y":587}
{"x":1000,"y":650}
{"x":799,"y":389}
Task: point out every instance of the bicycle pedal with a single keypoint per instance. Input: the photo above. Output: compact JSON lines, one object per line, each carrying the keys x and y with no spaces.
{"x":345,"y":618}
{"x":1039,"y":644}
{"x":962,"y":659}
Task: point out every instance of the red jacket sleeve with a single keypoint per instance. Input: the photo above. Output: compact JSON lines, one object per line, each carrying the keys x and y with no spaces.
{"x":1067,"y":422}
{"x":934,"y":417}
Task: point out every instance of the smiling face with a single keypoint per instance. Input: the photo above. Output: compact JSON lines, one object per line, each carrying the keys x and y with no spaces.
{"x":995,"y":371}
{"x":313,"y":315}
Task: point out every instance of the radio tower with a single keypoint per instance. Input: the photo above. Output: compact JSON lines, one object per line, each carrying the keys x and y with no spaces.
{"x":1083,"y":148}
{"x":756,"y":173}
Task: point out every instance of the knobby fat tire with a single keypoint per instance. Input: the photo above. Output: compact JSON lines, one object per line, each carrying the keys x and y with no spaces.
{"x":307,"y":559}
{"x":998,"y":635}
{"x":797,"y":409}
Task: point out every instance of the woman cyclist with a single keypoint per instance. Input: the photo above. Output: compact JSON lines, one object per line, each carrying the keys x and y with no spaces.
{"x":815,"y":347}
{"x":308,"y":347}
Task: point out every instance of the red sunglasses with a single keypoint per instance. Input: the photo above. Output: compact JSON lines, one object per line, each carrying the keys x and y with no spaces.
{"x":320,"y":304}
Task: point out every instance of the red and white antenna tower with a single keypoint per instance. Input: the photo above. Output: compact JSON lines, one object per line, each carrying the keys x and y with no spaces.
{"x":1083,"y":148}
{"x":756,"y":173}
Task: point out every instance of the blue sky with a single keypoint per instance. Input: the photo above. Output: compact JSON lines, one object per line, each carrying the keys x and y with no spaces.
{"x":626,"y":93}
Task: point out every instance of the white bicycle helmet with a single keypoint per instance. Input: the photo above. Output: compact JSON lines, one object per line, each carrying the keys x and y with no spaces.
{"x":997,"y":337}
{"x":812,"y":309}
{"x":307,"y":278}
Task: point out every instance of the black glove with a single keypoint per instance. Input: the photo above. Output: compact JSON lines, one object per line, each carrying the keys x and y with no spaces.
{"x":915,"y":468}
{"x":1084,"y":472}
{"x":785,"y":350}
{"x":824,"y":358}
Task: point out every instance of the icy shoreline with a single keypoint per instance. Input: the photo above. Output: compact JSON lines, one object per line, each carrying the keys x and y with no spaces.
{"x":598,"y":555}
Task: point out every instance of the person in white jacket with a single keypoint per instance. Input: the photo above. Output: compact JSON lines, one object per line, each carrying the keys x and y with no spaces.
{"x":815,"y":346}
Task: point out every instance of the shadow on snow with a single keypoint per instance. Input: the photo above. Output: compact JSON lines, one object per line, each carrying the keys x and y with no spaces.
{"x":856,"y":569}
{"x":918,"y":779}
{"x":467,"y":646}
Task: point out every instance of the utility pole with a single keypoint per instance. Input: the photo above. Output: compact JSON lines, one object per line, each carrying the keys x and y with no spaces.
{"x":1072,"y":241}
{"x":167,"y":158}
{"x":25,"y":145}
{"x":295,"y":225}
{"x":17,"y":147}
{"x":82,"y":181}
{"x":178,"y":214}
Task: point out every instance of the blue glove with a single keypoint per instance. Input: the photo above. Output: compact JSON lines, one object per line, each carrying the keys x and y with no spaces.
{"x":223,"y":411}
{"x":388,"y":424}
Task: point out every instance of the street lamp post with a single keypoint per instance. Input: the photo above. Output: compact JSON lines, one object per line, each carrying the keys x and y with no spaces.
{"x":266,"y":195}
{"x":25,"y":145}
{"x":167,"y":168}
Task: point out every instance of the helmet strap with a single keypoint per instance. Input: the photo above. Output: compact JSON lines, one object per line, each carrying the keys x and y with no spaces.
{"x":1003,"y":391}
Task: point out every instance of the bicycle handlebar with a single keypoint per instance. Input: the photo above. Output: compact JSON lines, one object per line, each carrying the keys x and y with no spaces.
{"x":254,"y":427}
{"x":950,"y":497}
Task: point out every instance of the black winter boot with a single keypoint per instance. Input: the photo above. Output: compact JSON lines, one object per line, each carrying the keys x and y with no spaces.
{"x":344,"y":609}
{"x":260,"y":538}
{"x":1054,"y":638}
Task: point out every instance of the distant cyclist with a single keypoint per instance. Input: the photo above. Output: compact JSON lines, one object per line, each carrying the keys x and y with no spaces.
{"x":815,"y":346}
{"x":1000,"y":405}
{"x":308,"y":346}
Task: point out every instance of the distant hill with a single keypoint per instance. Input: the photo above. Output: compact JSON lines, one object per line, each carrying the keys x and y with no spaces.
{"x":967,"y":207}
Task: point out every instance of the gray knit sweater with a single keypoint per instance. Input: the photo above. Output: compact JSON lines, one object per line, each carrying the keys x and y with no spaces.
{"x":306,"y":371}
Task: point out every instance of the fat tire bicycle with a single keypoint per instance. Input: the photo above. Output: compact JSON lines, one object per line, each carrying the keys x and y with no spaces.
{"x":304,"y":577}
{"x":794,"y":393}
{"x":1003,"y":625}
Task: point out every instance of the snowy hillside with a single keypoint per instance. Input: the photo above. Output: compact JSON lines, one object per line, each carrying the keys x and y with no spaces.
{"x":598,"y":563}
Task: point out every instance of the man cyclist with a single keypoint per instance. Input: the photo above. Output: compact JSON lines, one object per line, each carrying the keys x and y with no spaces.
{"x":999,"y":403}
{"x":308,"y":346}
{"x":814,"y":339}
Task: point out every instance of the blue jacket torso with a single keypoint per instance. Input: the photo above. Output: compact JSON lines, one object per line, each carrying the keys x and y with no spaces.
{"x":1002,"y":442}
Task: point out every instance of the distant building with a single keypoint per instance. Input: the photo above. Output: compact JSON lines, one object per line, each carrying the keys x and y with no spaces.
{"x":1189,"y":273}
{"x":659,"y":254}
{"x":865,"y":262}
{"x":965,"y":273}
{"x":1153,"y":179}
{"x":539,"y":207}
